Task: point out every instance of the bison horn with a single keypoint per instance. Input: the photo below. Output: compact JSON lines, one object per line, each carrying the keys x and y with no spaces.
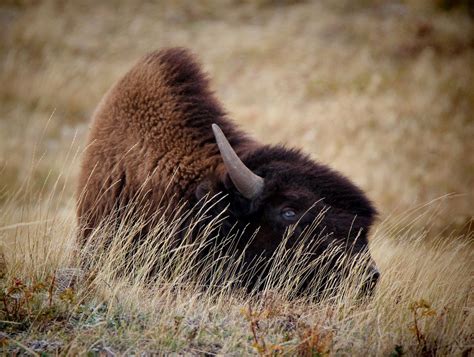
{"x":249,"y":184}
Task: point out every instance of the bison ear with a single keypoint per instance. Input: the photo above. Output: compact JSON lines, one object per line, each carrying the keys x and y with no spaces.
{"x":204,"y":188}
{"x":211,"y":186}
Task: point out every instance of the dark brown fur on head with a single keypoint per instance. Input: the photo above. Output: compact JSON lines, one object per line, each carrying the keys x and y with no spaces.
{"x":151,"y":135}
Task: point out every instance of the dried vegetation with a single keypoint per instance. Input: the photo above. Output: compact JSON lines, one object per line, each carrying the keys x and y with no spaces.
{"x":382,"y":91}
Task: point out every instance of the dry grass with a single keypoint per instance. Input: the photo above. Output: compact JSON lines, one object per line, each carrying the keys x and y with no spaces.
{"x":383,"y":92}
{"x":422,"y":305}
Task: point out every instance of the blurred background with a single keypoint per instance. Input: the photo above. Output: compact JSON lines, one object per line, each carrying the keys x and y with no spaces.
{"x":382,"y":91}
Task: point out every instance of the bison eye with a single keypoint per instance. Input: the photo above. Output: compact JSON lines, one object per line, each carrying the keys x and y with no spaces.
{"x":288,"y":213}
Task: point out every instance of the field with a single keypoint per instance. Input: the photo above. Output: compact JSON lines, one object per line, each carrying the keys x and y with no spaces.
{"x":381,"y":91}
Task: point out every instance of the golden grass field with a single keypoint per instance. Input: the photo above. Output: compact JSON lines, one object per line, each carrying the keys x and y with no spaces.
{"x":381,"y":91}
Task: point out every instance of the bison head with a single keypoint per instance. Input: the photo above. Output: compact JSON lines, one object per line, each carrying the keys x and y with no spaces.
{"x":273,"y":190}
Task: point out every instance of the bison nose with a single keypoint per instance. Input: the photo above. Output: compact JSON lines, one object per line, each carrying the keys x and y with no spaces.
{"x":373,"y":277}
{"x":374,"y":274}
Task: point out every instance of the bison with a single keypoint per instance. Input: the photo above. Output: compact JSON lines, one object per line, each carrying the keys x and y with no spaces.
{"x":160,"y":131}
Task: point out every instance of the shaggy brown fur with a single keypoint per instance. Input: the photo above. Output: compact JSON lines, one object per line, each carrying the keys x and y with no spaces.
{"x":151,"y":134}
